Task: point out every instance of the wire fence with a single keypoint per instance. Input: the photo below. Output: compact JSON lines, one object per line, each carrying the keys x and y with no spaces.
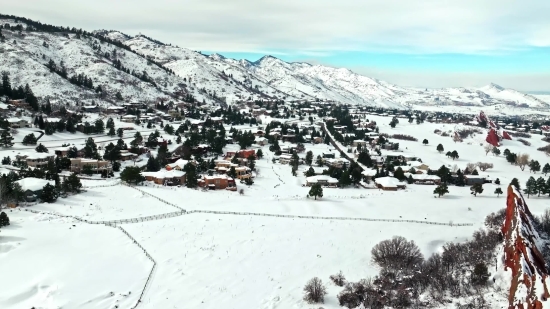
{"x":154,"y":196}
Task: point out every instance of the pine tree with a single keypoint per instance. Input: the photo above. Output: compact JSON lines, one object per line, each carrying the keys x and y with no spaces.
{"x":120,"y":132}
{"x":90,"y":150}
{"x":454,"y":155}
{"x":498,"y":191}
{"x":399,"y":174}
{"x":534,"y":166}
{"x":31,"y":98}
{"x":259,"y":154}
{"x":6,"y":140}
{"x":6,"y":85}
{"x":546,"y":169}
{"x":132,"y":174}
{"x":4,"y":219}
{"x":310,"y":172}
{"x":110,"y":123}
{"x":530,"y":186}
{"x":476,"y":189}
{"x":441,"y":190}
{"x":440,"y":148}
{"x":99,"y":126}
{"x":316,"y":191}
{"x":345,"y":179}
{"x":191,"y":178}
{"x":29,"y":139}
{"x":153,"y":164}
{"x":49,"y":194}
{"x":111,"y":132}
{"x":541,"y":186}
{"x":309,"y":157}
{"x":41,"y":148}
{"x":232,"y":172}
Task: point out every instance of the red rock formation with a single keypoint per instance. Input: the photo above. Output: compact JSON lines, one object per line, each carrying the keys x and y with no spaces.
{"x":492,"y":138}
{"x":522,"y":257}
{"x":505,"y":135}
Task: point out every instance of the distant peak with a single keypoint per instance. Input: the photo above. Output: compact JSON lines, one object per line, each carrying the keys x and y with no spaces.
{"x":493,"y":85}
{"x":217,"y":56}
{"x":265,"y":58}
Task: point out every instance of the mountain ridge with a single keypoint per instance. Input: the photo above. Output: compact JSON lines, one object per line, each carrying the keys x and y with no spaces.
{"x":153,"y":70}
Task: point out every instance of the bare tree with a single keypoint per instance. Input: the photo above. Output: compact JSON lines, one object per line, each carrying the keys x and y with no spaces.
{"x":471,"y":167}
{"x":522,"y":160}
{"x":488,"y":148}
{"x":397,"y":254}
{"x":315,"y":291}
{"x":484,"y":166}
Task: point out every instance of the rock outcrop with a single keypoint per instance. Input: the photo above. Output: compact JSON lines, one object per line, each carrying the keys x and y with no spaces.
{"x":522,"y":257}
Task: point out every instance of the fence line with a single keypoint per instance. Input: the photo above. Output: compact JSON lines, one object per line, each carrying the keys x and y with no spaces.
{"x":154,"y":196}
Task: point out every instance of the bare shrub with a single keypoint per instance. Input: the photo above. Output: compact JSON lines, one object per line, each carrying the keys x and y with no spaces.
{"x":484,"y":166}
{"x":522,"y":160}
{"x":545,"y":149}
{"x":524,"y":142}
{"x":468,"y":132}
{"x":444,"y":134}
{"x":338,"y":279}
{"x":437,"y":131}
{"x":315,"y":291}
{"x":241,"y":191}
{"x":405,"y":137}
{"x":495,"y":220}
{"x":545,"y":222}
{"x":520,"y":134}
{"x":546,"y":139}
{"x":488,"y":148}
{"x":471,"y":166}
{"x":397,"y":254}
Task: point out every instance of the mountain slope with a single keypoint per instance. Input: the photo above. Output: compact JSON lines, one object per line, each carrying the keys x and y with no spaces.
{"x":143,"y":69}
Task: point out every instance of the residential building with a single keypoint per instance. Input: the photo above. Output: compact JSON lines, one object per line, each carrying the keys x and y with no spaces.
{"x":178,"y":165}
{"x":425,"y":179}
{"x":128,"y":118}
{"x":18,"y":123}
{"x":166,"y":177}
{"x":389,"y":183}
{"x":32,"y":187}
{"x":98,"y":166}
{"x":323,"y":180}
{"x":36,"y":159}
{"x":473,"y":179}
{"x":218,"y":182}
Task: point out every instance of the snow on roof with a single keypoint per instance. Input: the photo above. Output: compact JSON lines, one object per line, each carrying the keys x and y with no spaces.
{"x":13,"y":120}
{"x":179,"y":162}
{"x":115,"y":107}
{"x":164,"y":174}
{"x":39,"y":155}
{"x":369,"y":172}
{"x":218,"y":177}
{"x":129,"y":116}
{"x":424,"y":177}
{"x":33,"y":184}
{"x":389,"y":182}
{"x":321,"y":178}
{"x":52,"y":119}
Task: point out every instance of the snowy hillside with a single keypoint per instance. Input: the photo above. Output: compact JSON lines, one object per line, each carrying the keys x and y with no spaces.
{"x":142,"y":68}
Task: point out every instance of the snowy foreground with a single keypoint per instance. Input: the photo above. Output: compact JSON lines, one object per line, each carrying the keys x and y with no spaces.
{"x":246,"y":260}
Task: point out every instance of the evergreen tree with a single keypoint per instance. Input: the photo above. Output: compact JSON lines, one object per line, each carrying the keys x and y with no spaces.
{"x":4,"y":219}
{"x":41,"y":148}
{"x":6,"y":140}
{"x":498,"y":191}
{"x":496,"y":151}
{"x":534,"y":166}
{"x":310,"y":172}
{"x":153,"y":164}
{"x":120,"y":132}
{"x":309,"y":158}
{"x":440,"y":148}
{"x":72,"y":152}
{"x":399,"y":174}
{"x":70,"y":127}
{"x":31,"y":98}
{"x":29,"y":139}
{"x":47,"y":108}
{"x":6,"y":85}
{"x":99,"y":126}
{"x":232,"y":173}
{"x":547,"y":186}
{"x":530,"y":187}
{"x":515,"y":184}
{"x":316,"y":191}
{"x":460,"y":179}
{"x":111,"y":132}
{"x":441,"y":190}
{"x":191,"y":177}
{"x":344,"y":180}
{"x":476,"y":189}
{"x":49,"y":194}
{"x":454,"y":155}
{"x":541,"y":186}
{"x":425,"y":142}
{"x":110,"y":123}
{"x":259,"y":154}
{"x":90,"y":149}
{"x":132,"y":174}
{"x":546,"y":169}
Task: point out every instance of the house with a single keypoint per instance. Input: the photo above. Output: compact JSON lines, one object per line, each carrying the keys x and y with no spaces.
{"x":245,"y":153}
{"x":126,"y":155}
{"x":166,"y":177}
{"x":329,"y":155}
{"x":262,"y":141}
{"x":417,"y":165}
{"x":98,"y":166}
{"x":114,"y":110}
{"x":222,"y":166}
{"x":36,"y":159}
{"x":18,"y":123}
{"x":32,"y":187}
{"x":128,"y":118}
{"x":389,"y":183}
{"x":62,"y":151}
{"x":20,"y":103}
{"x":317,"y":140}
{"x":368,"y":173}
{"x":285,"y":158}
{"x":243,"y":172}
{"x":90,"y":109}
{"x":218,"y":182}
{"x":178,"y":165}
{"x":337,"y":163}
{"x":359,"y":142}
{"x":323,"y":180}
{"x":52,"y":120}
{"x":424,"y":179}
{"x":473,"y":179}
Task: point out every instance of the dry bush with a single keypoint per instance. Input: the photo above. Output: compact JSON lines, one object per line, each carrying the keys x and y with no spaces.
{"x":520,"y":134}
{"x":338,"y":279}
{"x":524,"y":142}
{"x":437,"y":131}
{"x":546,"y":139}
{"x":397,"y":254}
{"x":315,"y":291}
{"x":488,"y":148}
{"x":495,"y":220}
{"x":405,"y":137}
{"x":471,"y":166}
{"x":444,"y":134}
{"x":545,"y":149}
{"x":468,"y":132}
{"x":484,"y":166}
{"x":522,"y":160}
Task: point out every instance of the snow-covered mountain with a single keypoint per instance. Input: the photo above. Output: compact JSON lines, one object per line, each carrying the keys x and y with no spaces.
{"x":172,"y":72}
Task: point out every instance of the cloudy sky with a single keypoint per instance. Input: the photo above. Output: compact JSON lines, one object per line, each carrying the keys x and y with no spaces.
{"x":425,"y":43}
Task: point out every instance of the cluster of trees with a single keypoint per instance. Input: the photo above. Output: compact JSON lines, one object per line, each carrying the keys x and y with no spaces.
{"x":537,"y":186}
{"x":521,"y":160}
{"x":17,"y":93}
{"x":68,"y":124}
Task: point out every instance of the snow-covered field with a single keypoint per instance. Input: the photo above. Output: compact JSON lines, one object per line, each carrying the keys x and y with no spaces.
{"x":47,"y":262}
{"x":210,"y":260}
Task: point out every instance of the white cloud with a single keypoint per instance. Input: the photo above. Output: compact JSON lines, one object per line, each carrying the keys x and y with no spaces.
{"x":311,"y":26}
